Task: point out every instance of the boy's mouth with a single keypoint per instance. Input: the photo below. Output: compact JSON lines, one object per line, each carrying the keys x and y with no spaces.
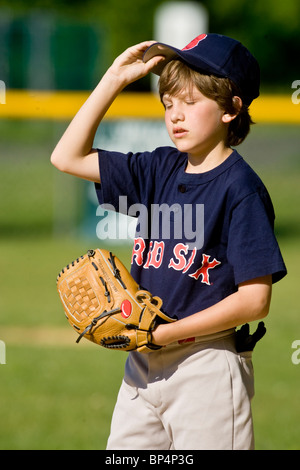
{"x":179,"y":132}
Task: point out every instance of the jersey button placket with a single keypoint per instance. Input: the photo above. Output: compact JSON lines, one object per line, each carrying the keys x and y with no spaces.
{"x":181,"y":188}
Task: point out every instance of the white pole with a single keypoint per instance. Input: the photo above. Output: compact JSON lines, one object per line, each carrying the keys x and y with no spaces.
{"x":177,"y":24}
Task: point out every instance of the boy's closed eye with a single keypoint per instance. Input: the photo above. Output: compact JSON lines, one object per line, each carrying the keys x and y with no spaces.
{"x":167,"y":102}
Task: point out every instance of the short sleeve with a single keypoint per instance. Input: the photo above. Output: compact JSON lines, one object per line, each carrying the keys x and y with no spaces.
{"x":253,"y":250}
{"x":121,"y":174}
{"x":135,"y":175}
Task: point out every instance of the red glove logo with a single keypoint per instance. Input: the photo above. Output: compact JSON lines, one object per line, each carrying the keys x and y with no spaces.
{"x":126,"y":308}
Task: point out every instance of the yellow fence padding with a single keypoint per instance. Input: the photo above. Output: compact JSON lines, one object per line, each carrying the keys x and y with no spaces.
{"x":63,"y":105}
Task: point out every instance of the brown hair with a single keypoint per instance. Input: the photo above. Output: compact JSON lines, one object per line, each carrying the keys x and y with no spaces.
{"x":176,"y":76}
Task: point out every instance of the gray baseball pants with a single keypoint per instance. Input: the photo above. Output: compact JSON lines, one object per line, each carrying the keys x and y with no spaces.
{"x":190,"y":395}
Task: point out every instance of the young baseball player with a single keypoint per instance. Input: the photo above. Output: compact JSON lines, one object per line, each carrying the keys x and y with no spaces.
{"x":206,"y":245}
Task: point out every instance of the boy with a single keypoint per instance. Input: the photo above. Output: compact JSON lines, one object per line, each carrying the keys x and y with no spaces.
{"x":195,"y":392}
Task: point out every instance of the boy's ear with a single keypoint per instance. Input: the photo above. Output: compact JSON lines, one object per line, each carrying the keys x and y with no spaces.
{"x":237,"y":106}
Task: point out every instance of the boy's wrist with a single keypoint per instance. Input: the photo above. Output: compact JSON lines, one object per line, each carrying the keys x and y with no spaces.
{"x":162,"y":334}
{"x":114,"y":80}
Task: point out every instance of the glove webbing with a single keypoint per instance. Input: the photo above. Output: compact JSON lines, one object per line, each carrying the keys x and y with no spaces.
{"x":95,"y":321}
{"x":91,"y":254}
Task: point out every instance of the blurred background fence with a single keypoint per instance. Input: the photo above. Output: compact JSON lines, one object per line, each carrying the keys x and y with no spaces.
{"x":52,"y":53}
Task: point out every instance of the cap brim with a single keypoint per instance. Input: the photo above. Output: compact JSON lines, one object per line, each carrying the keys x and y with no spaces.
{"x":160,"y":48}
{"x":170,"y":53}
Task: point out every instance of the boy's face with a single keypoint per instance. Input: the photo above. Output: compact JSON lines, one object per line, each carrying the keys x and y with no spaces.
{"x":195,"y":124}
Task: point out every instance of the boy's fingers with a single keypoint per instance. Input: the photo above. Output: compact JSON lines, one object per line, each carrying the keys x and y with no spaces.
{"x":155,"y":61}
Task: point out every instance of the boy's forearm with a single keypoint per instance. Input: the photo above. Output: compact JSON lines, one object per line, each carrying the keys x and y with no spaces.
{"x":78,"y":139}
{"x":243,"y":306}
{"x":84,"y":126}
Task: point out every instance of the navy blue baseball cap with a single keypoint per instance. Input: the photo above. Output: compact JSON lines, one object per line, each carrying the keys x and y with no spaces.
{"x":214,"y":54}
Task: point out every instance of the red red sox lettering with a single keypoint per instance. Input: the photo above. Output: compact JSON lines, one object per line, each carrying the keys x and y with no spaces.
{"x":181,"y":260}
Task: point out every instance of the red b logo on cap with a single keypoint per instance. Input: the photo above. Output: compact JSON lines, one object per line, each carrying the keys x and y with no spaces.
{"x":194,"y":42}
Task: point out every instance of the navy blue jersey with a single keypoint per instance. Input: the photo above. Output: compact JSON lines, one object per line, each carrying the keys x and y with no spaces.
{"x":198,"y":235}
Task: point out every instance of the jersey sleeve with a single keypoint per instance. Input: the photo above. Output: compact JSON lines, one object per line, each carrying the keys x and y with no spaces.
{"x":253,"y":249}
{"x":135,"y":175}
{"x":122,"y":174}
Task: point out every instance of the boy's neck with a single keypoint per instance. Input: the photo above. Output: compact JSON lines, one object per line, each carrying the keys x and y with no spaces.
{"x":204,"y":163}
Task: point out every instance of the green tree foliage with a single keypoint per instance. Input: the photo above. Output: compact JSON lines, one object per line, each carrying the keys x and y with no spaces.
{"x":270,"y":29}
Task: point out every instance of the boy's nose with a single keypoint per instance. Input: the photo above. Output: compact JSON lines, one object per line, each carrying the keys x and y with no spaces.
{"x":177,"y":115}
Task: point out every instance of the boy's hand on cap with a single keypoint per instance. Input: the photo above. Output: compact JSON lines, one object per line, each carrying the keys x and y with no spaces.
{"x":129,"y":65}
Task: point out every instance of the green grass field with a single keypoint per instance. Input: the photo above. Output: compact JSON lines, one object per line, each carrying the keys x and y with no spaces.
{"x":55,"y":394}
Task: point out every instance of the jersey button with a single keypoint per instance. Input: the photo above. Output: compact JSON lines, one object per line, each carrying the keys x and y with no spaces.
{"x":182,"y":188}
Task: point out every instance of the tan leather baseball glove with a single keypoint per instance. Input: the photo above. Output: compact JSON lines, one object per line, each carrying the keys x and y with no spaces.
{"x":104,"y":304}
